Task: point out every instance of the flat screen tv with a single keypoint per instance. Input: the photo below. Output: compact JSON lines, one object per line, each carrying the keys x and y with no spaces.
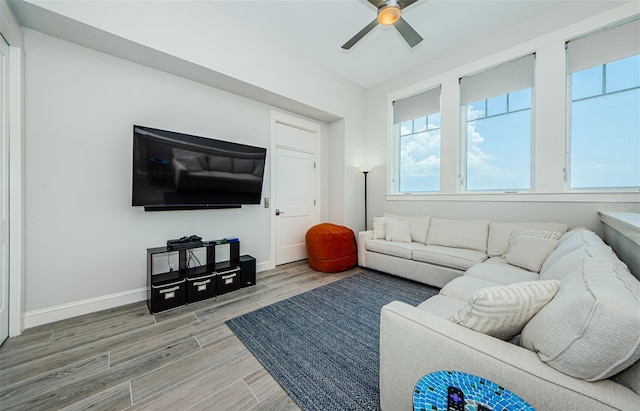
{"x":173,"y":171}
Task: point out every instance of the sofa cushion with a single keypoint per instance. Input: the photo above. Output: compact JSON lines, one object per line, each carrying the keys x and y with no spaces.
{"x":441,"y":305}
{"x":589,"y":244}
{"x":393,"y":248}
{"x":530,"y":251}
{"x":551,"y":235}
{"x":496,"y":270}
{"x":243,"y":165}
{"x":380,"y":227}
{"x":462,"y":288}
{"x":503,"y":310}
{"x":471,"y":234}
{"x":259,"y":170}
{"x":570,"y":252}
{"x":219,"y":163}
{"x":397,"y":230}
{"x":500,"y":233}
{"x":190,"y":163}
{"x":460,"y":258}
{"x":630,"y":377}
{"x":419,"y":227}
{"x":201,"y":157}
{"x":591,"y":330}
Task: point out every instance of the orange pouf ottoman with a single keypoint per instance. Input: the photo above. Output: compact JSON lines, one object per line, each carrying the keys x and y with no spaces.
{"x":331,"y":248}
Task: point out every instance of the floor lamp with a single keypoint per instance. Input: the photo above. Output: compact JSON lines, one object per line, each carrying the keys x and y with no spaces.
{"x":365,"y":199}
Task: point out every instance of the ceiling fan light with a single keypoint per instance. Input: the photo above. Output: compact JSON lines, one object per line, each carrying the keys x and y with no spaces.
{"x":388,"y":15}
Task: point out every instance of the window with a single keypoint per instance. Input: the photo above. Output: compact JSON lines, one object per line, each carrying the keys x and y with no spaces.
{"x":496,"y":127}
{"x":416,"y":139}
{"x":604,"y":81}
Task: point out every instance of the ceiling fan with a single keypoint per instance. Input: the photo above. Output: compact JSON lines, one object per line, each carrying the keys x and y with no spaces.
{"x":389,"y":13}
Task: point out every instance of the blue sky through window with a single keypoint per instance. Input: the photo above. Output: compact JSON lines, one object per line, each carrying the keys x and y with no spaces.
{"x":499,"y":142}
{"x":605,"y":125}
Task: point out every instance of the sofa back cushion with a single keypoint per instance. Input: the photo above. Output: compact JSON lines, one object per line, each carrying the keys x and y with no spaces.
{"x":471,"y":234}
{"x":572,"y":248}
{"x":591,"y":329}
{"x":220,"y":163}
{"x":243,"y":165}
{"x":180,"y":154}
{"x":500,"y":233}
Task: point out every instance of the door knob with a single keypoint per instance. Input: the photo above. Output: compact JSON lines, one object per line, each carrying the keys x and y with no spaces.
{"x":278,"y":212}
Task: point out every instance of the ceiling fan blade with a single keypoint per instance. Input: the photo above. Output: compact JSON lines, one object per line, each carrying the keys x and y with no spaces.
{"x":405,"y":3}
{"x":378,"y":3}
{"x":407,"y":32}
{"x":360,"y":35}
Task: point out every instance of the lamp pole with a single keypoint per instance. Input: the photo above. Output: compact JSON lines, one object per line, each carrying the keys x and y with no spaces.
{"x":365,"y":199}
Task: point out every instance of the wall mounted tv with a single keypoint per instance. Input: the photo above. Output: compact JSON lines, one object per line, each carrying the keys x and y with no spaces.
{"x":175,"y":171}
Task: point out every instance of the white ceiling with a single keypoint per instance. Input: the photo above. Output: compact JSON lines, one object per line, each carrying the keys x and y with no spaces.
{"x":317,"y":28}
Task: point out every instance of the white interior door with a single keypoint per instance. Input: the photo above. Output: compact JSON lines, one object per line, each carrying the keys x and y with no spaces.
{"x":4,"y":191}
{"x":295,"y":184}
{"x":295,"y":179}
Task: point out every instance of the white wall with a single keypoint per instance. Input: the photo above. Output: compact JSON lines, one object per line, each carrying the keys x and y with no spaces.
{"x":549,"y":202}
{"x":83,"y":239}
{"x":200,"y":32}
{"x":88,"y":251}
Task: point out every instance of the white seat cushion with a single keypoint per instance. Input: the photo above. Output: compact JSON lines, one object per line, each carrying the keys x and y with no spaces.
{"x":393,"y":248}
{"x":462,"y":288}
{"x":496,"y":270}
{"x":441,"y":305}
{"x":459,"y":258}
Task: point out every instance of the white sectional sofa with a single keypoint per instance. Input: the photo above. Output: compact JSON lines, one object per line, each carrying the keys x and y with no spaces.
{"x":576,"y":321}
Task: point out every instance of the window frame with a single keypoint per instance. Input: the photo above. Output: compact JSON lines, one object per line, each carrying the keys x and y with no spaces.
{"x":463,"y":140}
{"x":569,"y":116}
{"x":395,"y":160}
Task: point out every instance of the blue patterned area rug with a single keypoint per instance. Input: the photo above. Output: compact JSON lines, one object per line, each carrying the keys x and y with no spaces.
{"x":323,"y":346}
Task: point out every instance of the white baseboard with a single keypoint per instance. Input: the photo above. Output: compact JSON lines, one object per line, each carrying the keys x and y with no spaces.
{"x":264,"y":266}
{"x":62,"y":312}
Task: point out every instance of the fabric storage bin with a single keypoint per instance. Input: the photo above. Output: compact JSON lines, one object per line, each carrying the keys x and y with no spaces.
{"x":227,"y":280}
{"x":168,"y":295}
{"x":201,"y":287}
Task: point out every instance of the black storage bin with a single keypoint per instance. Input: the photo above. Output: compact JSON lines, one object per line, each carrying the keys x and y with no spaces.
{"x":168,"y":295}
{"x":201,"y":287}
{"x":227,"y":280}
{"x":248,"y":270}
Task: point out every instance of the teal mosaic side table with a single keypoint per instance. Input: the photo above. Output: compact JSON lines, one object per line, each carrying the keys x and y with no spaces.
{"x":431,"y":393}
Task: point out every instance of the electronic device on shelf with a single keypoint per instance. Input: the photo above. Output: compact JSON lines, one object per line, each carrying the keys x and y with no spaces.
{"x":185,"y":242}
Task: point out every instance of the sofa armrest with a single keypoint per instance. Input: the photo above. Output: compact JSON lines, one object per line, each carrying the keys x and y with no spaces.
{"x":414,"y":343}
{"x":363,"y":236}
{"x":178,"y":169}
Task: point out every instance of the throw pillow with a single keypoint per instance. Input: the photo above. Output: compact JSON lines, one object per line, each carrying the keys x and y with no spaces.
{"x":259,"y":170}
{"x":552,"y":235}
{"x":504,"y":310}
{"x":379,"y":227}
{"x":398,"y":231}
{"x":190,"y":163}
{"x":530,"y":252}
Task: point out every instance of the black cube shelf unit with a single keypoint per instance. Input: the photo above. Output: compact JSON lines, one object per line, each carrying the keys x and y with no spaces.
{"x":176,"y":287}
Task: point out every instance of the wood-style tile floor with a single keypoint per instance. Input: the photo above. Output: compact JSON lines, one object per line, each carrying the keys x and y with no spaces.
{"x":128,"y":359}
